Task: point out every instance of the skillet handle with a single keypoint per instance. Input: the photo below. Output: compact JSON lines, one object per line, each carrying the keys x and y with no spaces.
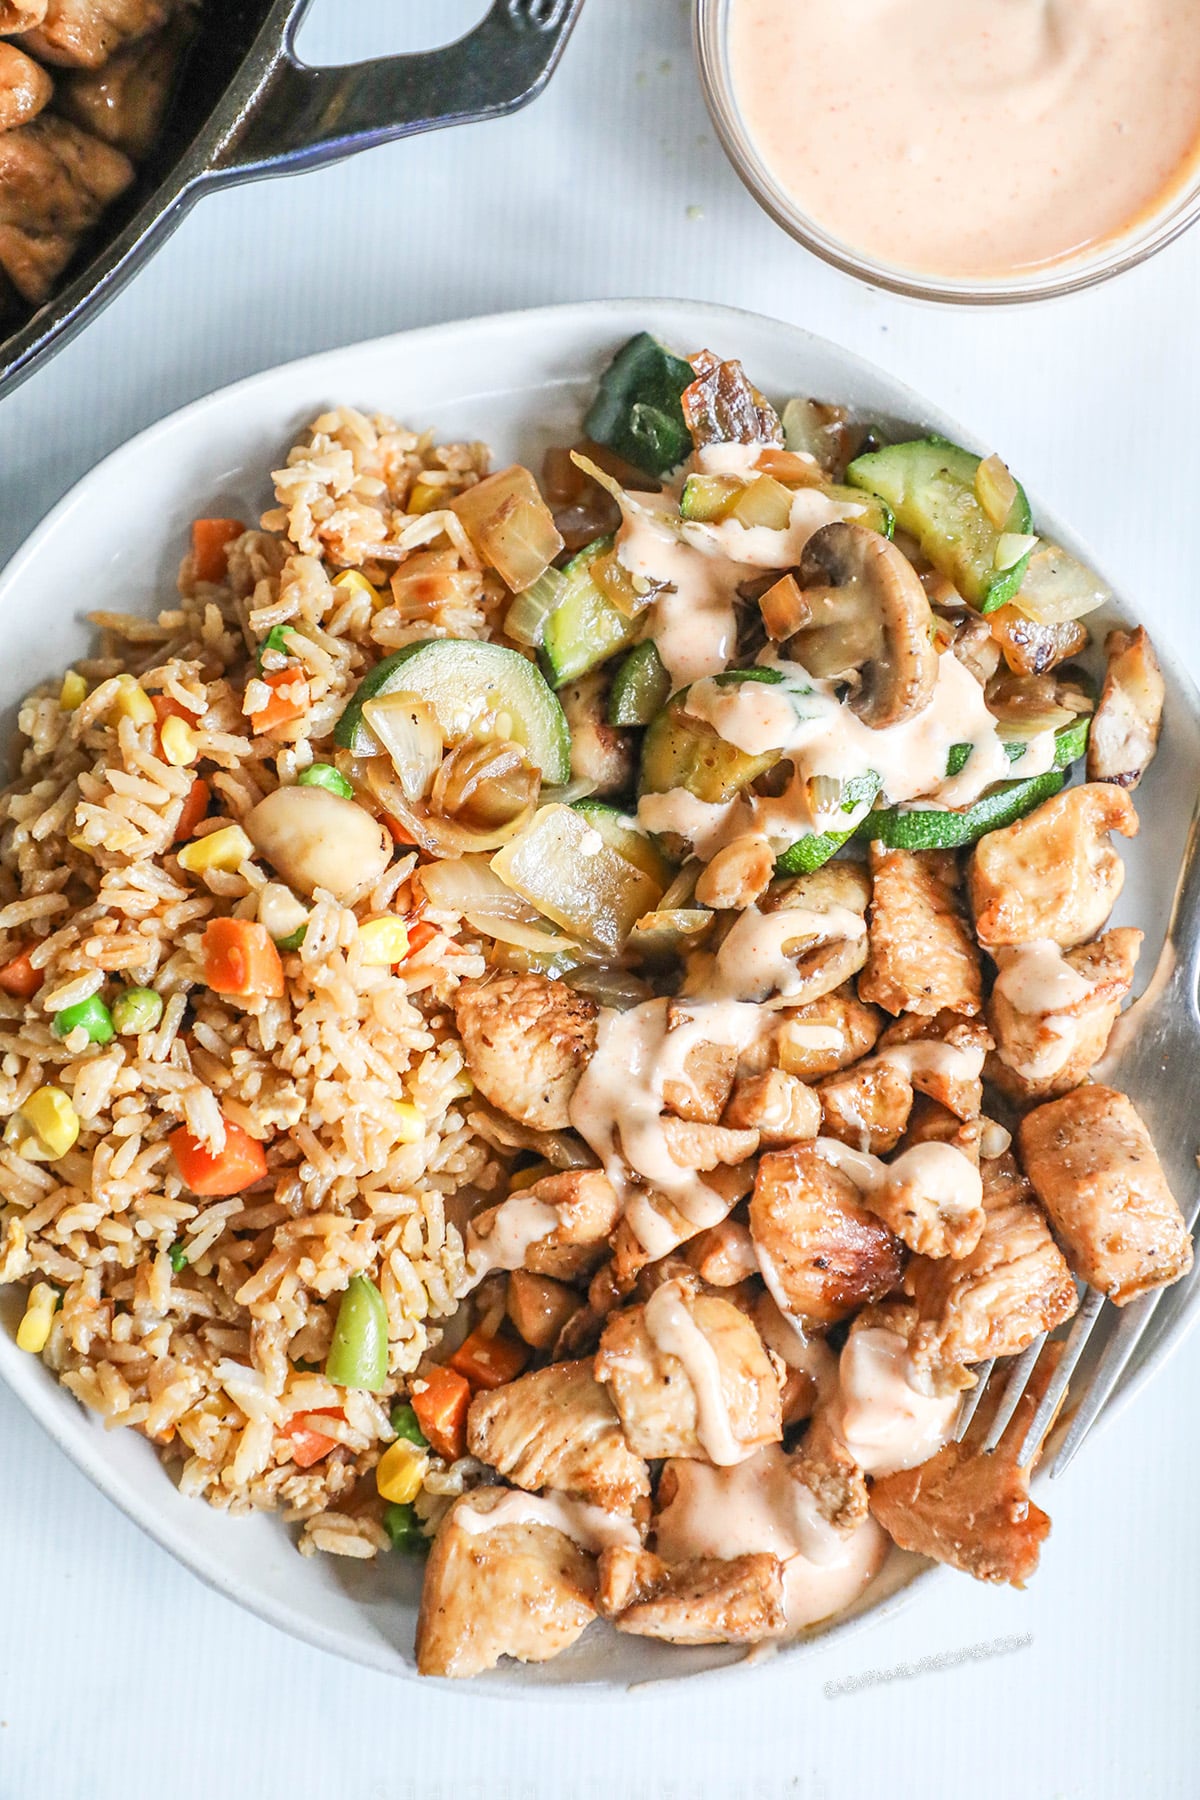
{"x":301,"y":117}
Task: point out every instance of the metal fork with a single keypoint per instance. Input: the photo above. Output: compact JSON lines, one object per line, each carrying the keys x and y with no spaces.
{"x":1151,"y":1056}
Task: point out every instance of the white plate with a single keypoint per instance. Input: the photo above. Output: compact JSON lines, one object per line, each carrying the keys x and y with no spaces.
{"x":520,"y":381}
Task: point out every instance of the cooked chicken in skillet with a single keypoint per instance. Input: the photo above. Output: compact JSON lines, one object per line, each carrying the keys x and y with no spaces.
{"x":55,"y":181}
{"x":25,"y":87}
{"x":123,"y":101}
{"x":84,"y":33}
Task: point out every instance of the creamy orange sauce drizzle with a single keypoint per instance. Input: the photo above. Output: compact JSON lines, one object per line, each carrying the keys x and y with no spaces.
{"x":673,"y":1331}
{"x":884,"y":1422}
{"x":520,"y":1222}
{"x":591,"y":1527}
{"x":940,"y":1171}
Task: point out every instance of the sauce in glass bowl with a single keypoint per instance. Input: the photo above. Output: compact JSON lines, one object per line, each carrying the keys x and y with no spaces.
{"x":973,"y":140}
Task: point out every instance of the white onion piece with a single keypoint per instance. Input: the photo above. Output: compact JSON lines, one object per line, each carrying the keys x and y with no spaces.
{"x":441,"y":837}
{"x":470,"y":884}
{"x":523,"y":936}
{"x":408,"y":730}
{"x":1056,"y":588}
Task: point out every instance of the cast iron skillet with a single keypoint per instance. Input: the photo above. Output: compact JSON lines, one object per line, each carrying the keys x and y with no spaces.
{"x":244,"y":106}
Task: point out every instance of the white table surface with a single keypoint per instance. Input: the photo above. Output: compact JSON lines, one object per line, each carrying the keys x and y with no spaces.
{"x":119,"y":1673}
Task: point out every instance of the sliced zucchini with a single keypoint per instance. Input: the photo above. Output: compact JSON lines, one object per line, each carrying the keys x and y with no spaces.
{"x":640,"y":688}
{"x":662,"y":936}
{"x":814,"y":849}
{"x":624,"y":835}
{"x":930,"y":486}
{"x":876,"y":514}
{"x":585,"y":628}
{"x":902,"y":828}
{"x":680,"y":751}
{"x":1070,"y":742}
{"x":462,"y":681}
{"x":561,"y":864}
{"x":637,"y":410}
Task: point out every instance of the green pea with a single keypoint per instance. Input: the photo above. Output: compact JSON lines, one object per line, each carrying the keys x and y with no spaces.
{"x":402,"y":1525}
{"x":137,"y":1010}
{"x":92,"y":1014}
{"x":326,"y":776}
{"x":178,"y":1256}
{"x":358,"y":1355}
{"x":404,"y":1424}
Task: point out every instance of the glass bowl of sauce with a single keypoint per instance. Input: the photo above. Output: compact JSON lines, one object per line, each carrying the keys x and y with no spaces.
{"x":963,"y":150}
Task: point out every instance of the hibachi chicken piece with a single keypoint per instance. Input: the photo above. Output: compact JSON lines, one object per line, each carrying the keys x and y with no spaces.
{"x":830,"y":952}
{"x":123,"y":102}
{"x":17,"y":16}
{"x":702,"y":1602}
{"x":708,"y":1072}
{"x":557,"y":1428}
{"x":723,"y":1255}
{"x":1124,"y":731}
{"x":1097,"y":1173}
{"x":942,"y":1056}
{"x":824,"y":1465}
{"x":923,"y":958}
{"x":827,"y":1034}
{"x":559,"y":1226}
{"x":520,"y":1589}
{"x":967,"y":1508}
{"x":25,"y":87}
{"x":1051,"y":1012}
{"x":996,"y":1300}
{"x":823,"y":1252}
{"x":1054,"y":873}
{"x":55,"y":182}
{"x":781,"y":1108}
{"x":527,"y":1040}
{"x":867,"y":1106}
{"x":539,"y":1307}
{"x":82,"y":34}
{"x":690,"y":1376}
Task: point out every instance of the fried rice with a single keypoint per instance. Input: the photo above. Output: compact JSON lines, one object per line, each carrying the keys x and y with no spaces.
{"x":205,"y":1324}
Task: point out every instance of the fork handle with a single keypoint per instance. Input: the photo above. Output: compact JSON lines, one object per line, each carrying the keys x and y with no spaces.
{"x":301,"y":117}
{"x":1182,"y":979}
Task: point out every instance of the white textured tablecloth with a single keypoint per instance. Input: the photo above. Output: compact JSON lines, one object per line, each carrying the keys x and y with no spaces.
{"x":119,"y":1674}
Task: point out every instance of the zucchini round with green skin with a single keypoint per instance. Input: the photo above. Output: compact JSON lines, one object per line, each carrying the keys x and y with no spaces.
{"x":640,"y":688}
{"x":1070,"y":742}
{"x":460,"y":680}
{"x":585,"y":628}
{"x":902,"y":828}
{"x":680,"y":751}
{"x":624,"y":835}
{"x":563,"y":865}
{"x":816,"y":848}
{"x":930,"y":486}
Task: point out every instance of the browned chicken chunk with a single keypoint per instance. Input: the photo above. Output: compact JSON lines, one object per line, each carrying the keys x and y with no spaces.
{"x":706,"y":1147}
{"x":933,"y":1202}
{"x":1051,"y":1012}
{"x":527,"y":1041}
{"x":1054,"y":873}
{"x":967,"y":1508}
{"x":123,"y":101}
{"x":708,"y":1072}
{"x":779,"y":1107}
{"x":867,"y":1106}
{"x":825,"y":1251}
{"x":558,"y":1227}
{"x":942,"y":1056}
{"x":25,"y":88}
{"x":701,"y":1602}
{"x":55,"y":181}
{"x":723,"y":1255}
{"x":600,"y":753}
{"x":1124,"y":732}
{"x":521,"y":1589}
{"x":82,"y":34}
{"x":690,"y":1376}
{"x":835,"y":946}
{"x":1031,"y":648}
{"x":829,"y":1472}
{"x":1014,"y":1285}
{"x":539,"y":1307}
{"x":557,"y":1428}
{"x":21,"y":15}
{"x":1097,"y":1173}
{"x":827,"y":1034}
{"x":923,"y":957}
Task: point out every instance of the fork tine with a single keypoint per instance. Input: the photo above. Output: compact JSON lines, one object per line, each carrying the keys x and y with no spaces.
{"x":971,"y":1399}
{"x":1019,"y":1375}
{"x":1081,"y":1330}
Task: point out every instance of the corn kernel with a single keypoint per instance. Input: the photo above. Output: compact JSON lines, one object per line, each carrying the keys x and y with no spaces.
{"x":410,"y":1121}
{"x":45,"y":1128}
{"x":74,"y":691}
{"x":383,"y":941}
{"x":353,"y":581}
{"x":34,"y":1329}
{"x":425,"y":496}
{"x":226,"y":849}
{"x":400,"y":1471}
{"x":178,"y":742}
{"x":133,"y":702}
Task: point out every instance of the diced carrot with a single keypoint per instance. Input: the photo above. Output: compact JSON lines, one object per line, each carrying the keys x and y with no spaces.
{"x":195,"y":807}
{"x":166,"y":708}
{"x":19,"y":977}
{"x":289,"y":700}
{"x":399,"y":835}
{"x":240,"y":958}
{"x":239,"y":1165}
{"x":488,"y":1362}
{"x":441,"y":1407}
{"x":419,"y":935}
{"x":309,"y":1446}
{"x":210,"y":543}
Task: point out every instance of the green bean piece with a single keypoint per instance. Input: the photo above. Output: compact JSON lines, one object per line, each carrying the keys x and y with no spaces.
{"x":404,"y":1528}
{"x":358,"y":1355}
{"x":178,"y":1255}
{"x":404,"y":1424}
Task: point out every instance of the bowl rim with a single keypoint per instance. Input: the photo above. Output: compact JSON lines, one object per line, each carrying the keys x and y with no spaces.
{"x":26,"y":1377}
{"x":1115,"y":255}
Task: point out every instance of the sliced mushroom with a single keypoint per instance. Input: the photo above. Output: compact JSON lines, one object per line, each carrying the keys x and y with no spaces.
{"x":600,"y":752}
{"x":1124,"y":734}
{"x":868,"y":615}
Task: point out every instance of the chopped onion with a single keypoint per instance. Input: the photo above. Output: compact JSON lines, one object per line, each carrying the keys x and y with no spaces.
{"x":441,"y":837}
{"x":682,"y":889}
{"x":525,"y":620}
{"x":579,"y":789}
{"x":1056,"y":588}
{"x":995,"y":490}
{"x":814,"y":430}
{"x":670,"y":932}
{"x":485,"y":783}
{"x":409,"y":732}
{"x":470,"y":885}
{"x":1011,"y":546}
{"x":609,"y":986}
{"x":522,"y":936}
{"x":510,"y":525}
